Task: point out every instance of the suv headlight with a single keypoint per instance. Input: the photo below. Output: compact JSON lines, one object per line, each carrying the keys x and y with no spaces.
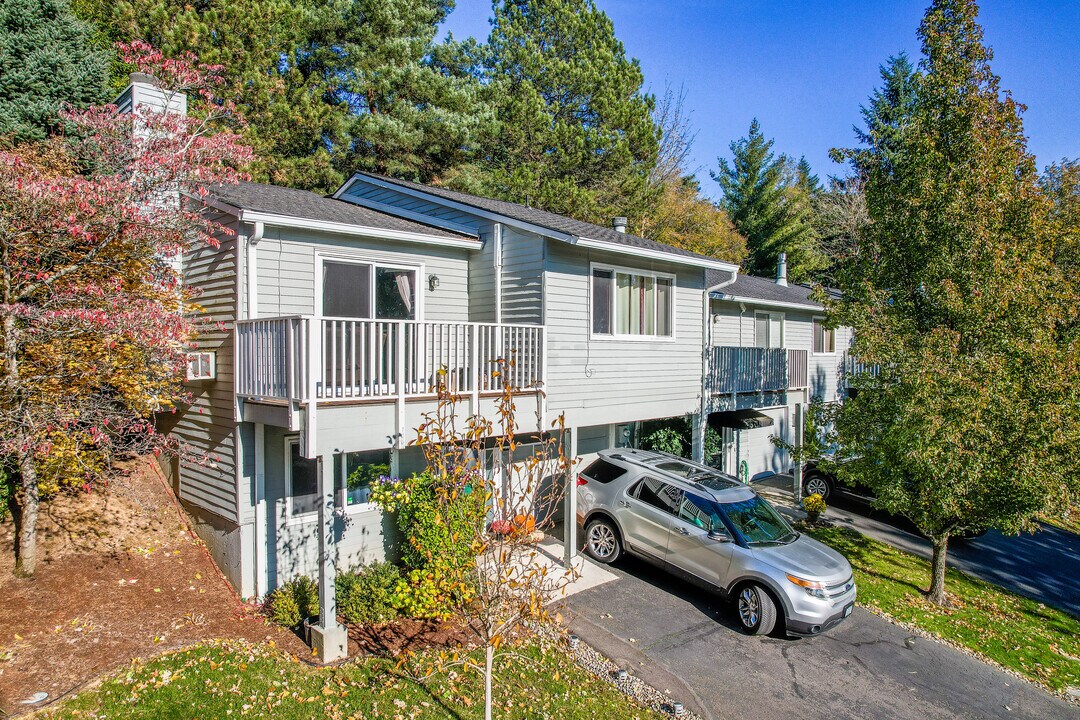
{"x":813,"y":588}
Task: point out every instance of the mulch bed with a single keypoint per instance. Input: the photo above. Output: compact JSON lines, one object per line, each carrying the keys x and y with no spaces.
{"x":120,"y":577}
{"x":409,"y":635}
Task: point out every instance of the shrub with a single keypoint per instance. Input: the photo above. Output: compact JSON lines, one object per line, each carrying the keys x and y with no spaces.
{"x":437,"y":517}
{"x":366,"y":595}
{"x":294,"y":602}
{"x":814,"y":503}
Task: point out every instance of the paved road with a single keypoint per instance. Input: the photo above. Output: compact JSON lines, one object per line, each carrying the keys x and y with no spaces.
{"x":682,"y":640}
{"x":1043,"y":566}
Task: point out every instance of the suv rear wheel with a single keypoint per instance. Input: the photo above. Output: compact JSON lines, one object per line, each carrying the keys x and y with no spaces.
{"x":602,"y":541}
{"x":757,"y":611}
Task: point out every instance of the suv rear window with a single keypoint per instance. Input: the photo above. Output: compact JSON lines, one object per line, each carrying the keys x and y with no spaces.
{"x":603,"y":471}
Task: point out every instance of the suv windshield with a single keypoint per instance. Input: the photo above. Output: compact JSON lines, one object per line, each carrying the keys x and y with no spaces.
{"x":757,"y":522}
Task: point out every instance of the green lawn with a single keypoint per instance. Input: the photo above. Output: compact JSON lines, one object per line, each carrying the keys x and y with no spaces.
{"x":239,"y":680}
{"x":1041,"y":643}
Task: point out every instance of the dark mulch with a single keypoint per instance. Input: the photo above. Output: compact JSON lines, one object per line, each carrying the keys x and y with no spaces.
{"x":409,"y":635}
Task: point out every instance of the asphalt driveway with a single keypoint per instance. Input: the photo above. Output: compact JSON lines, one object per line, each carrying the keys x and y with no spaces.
{"x":685,"y":641}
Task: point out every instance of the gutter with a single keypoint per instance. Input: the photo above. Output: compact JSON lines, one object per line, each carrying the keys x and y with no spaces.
{"x":706,"y":354}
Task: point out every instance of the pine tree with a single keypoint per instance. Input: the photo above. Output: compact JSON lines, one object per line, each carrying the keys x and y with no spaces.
{"x":46,"y":60}
{"x":575,"y":132}
{"x":327,"y":86}
{"x":956,"y":297}
{"x":767,"y":198}
{"x":890,"y":108}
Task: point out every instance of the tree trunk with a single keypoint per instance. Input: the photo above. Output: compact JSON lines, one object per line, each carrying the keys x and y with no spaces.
{"x":937,"y":571}
{"x":489,"y":657}
{"x":27,"y":499}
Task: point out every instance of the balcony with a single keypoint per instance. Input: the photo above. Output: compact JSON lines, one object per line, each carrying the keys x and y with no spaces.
{"x":736,"y":370}
{"x":330,"y":360}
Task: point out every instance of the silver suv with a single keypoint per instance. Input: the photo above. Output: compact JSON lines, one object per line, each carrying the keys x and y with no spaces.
{"x":711,"y":529}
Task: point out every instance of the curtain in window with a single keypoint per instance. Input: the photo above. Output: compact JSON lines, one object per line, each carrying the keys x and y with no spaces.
{"x":663,"y":307}
{"x":404,"y":287}
{"x":623,"y":304}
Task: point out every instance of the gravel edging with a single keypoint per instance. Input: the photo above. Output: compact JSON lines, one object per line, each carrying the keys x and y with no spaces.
{"x":604,"y":669}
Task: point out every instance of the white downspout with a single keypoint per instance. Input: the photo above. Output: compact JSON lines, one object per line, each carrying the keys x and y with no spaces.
{"x":497,"y":239}
{"x":706,"y":354}
{"x":252,"y":263}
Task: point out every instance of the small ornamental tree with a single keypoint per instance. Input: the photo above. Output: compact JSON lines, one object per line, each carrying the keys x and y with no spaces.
{"x":477,"y":548}
{"x":95,"y":323}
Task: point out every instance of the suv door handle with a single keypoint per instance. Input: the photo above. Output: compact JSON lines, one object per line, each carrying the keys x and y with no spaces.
{"x":623,"y":503}
{"x":683,"y":531}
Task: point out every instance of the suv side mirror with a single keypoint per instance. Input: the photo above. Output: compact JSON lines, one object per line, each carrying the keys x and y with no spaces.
{"x":719,"y":536}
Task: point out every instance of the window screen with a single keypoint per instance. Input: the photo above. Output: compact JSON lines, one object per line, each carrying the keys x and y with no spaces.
{"x":824,"y":338}
{"x":664,"y":306}
{"x":303,"y":482}
{"x":603,"y":471}
{"x":601,"y":302}
{"x":346,"y":290}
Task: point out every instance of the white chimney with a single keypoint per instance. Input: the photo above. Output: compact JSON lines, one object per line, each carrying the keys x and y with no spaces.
{"x":145,"y":91}
{"x":781,"y":270}
{"x":619,"y":224}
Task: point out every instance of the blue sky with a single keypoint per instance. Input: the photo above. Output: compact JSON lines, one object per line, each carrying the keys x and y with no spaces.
{"x":803,"y":67}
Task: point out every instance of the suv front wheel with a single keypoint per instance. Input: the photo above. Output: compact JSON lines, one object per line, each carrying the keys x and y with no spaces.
{"x":602,"y":541}
{"x":757,"y":611}
{"x":815,"y":482}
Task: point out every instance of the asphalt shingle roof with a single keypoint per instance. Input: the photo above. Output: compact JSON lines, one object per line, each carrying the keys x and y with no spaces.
{"x":312,"y":206}
{"x":764,"y":289}
{"x":542,"y":218}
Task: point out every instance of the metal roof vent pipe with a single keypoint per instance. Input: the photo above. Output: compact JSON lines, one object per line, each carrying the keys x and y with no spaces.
{"x":618,"y":224}
{"x":781,"y":270}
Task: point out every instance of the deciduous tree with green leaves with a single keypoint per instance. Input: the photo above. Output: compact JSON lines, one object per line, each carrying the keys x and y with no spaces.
{"x":47,"y":60}
{"x":768,"y":199}
{"x":970,"y":420}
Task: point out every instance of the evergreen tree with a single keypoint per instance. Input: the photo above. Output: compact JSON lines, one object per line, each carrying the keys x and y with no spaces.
{"x":46,"y":60}
{"x":328,"y":86}
{"x":768,"y":200}
{"x":575,"y":132}
{"x":956,"y":297}
{"x":890,"y":108}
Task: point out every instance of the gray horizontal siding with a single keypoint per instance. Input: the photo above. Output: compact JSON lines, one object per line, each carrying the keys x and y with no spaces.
{"x":206,"y":427}
{"x":523,"y":273}
{"x":598,"y":381}
{"x":482,"y":279}
{"x":288,"y":282}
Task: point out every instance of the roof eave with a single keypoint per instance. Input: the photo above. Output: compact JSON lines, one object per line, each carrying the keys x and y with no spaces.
{"x":354,"y":229}
{"x":653,"y":254}
{"x":766,"y":303}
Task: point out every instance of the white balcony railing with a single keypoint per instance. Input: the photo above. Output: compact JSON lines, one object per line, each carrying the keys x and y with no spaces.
{"x":373,"y":359}
{"x":754,"y":370}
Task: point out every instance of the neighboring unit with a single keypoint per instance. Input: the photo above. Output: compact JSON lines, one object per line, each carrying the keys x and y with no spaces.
{"x":771,"y":351}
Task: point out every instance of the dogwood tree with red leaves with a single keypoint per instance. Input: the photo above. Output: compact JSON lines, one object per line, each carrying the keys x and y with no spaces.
{"x":95,"y":321}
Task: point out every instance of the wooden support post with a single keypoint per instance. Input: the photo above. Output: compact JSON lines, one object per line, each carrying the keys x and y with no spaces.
{"x":570,"y":543}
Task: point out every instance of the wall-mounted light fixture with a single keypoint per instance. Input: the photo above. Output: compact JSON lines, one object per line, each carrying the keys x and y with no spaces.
{"x":433,"y":281}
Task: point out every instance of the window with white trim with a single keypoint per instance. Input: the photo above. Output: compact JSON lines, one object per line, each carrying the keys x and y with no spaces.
{"x":357,"y":472}
{"x":632,"y":304}
{"x":368,"y":290}
{"x":824,"y":338}
{"x":768,"y":330}
{"x":301,"y":481}
{"x":201,"y":365}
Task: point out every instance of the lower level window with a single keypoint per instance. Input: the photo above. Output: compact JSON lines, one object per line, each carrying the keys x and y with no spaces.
{"x":303,"y":481}
{"x":359,"y":471}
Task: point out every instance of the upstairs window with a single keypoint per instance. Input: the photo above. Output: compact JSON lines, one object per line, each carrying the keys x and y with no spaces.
{"x":768,"y":330}
{"x":632,"y":304}
{"x":362,"y":290}
{"x":824,"y":338}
